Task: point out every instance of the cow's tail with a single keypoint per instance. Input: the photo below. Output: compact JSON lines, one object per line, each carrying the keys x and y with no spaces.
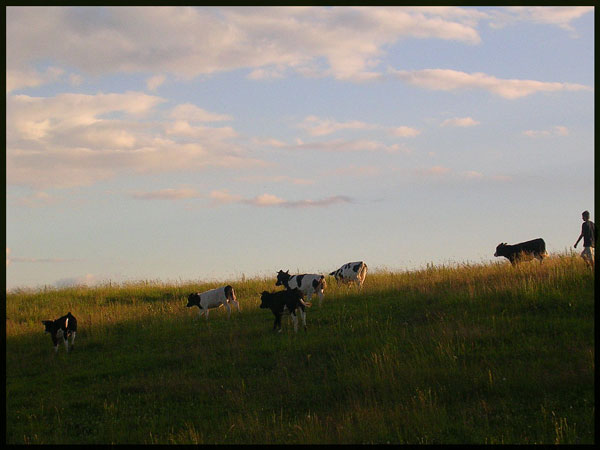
{"x":363,"y":271}
{"x":323,"y":282}
{"x":544,"y":252}
{"x":306,"y":304}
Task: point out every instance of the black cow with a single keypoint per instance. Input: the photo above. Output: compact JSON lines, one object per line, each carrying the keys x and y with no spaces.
{"x":524,"y":251}
{"x":63,"y":327}
{"x":285,"y":302}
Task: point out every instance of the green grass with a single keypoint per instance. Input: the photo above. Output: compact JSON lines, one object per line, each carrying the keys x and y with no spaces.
{"x":445,"y":355}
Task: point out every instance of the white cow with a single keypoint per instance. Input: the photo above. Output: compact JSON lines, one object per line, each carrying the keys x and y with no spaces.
{"x":352,"y":272}
{"x":213,"y":299}
{"x":308,"y":283}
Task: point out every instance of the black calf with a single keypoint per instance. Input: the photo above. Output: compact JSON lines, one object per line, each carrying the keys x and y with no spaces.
{"x":285,"y":302}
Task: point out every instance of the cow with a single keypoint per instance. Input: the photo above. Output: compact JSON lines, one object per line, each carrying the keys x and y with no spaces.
{"x":285,"y":302}
{"x":523,"y":251}
{"x":308,"y":283}
{"x":352,"y":272}
{"x":213,"y":299}
{"x":63,"y":327}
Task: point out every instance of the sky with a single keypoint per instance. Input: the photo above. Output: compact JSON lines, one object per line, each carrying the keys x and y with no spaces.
{"x":177,"y":144}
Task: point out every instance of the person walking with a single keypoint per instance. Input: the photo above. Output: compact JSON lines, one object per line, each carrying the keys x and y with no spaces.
{"x":588,"y":233}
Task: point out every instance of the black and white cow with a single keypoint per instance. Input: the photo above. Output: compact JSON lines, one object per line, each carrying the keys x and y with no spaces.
{"x":308,"y":283}
{"x":63,"y":327}
{"x":352,"y":272}
{"x":523,"y":251}
{"x":285,"y":302}
{"x":213,"y":299}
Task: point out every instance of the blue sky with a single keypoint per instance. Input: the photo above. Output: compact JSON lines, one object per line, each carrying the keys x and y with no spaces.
{"x":202,"y":144}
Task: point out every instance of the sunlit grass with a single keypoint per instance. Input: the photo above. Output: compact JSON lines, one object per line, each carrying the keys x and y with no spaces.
{"x":457,"y":353}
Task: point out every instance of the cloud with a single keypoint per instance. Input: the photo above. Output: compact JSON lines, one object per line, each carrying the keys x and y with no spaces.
{"x":556,"y":131}
{"x":154,"y":82}
{"x":316,"y":126}
{"x":343,"y":145}
{"x":83,"y":280}
{"x":459,"y":122}
{"x":168,"y":194}
{"x":449,"y":80}
{"x":270,"y":200}
{"x":404,"y":131}
{"x":38,"y":198}
{"x":10,"y":260}
{"x":561,"y":16}
{"x":21,"y":78}
{"x":275,"y":179}
{"x":342,"y":42}
{"x":191,"y":113}
{"x":224,"y":197}
{"x":75,"y":140}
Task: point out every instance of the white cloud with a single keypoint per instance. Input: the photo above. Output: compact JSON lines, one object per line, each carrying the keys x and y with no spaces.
{"x":75,"y":139}
{"x":88,"y":279}
{"x":555,"y":131}
{"x":343,"y":42}
{"x":265,"y":200}
{"x":473,"y":175}
{"x":192,"y":113}
{"x":343,"y":145}
{"x":261,"y":179}
{"x":561,"y":16}
{"x":316,"y":126}
{"x":404,"y":131}
{"x":460,"y":122}
{"x":20,"y":78}
{"x":270,"y":200}
{"x":449,"y":80}
{"x":224,"y":197}
{"x":168,"y":194}
{"x":39,"y":198}
{"x":154,"y":82}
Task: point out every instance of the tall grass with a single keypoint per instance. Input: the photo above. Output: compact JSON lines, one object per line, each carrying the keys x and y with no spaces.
{"x":465,"y":353}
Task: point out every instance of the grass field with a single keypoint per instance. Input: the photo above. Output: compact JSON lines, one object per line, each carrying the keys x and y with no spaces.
{"x":456,"y":354}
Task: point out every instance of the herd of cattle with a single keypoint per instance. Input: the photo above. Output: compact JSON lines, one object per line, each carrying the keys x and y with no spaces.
{"x":298,"y":290}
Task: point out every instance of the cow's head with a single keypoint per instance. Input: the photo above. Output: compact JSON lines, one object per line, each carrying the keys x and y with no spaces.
{"x":283,"y":277}
{"x":49,"y":326}
{"x":500,"y":249}
{"x":194,"y":300}
{"x":265,"y":300}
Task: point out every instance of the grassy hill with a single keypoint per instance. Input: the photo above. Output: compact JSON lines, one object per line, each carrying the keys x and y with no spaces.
{"x":447,"y":354}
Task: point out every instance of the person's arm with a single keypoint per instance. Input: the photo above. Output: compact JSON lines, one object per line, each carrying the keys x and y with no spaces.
{"x":579,"y":238}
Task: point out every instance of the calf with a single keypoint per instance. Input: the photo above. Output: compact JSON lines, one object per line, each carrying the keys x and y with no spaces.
{"x":308,"y":283}
{"x":285,"y":302}
{"x":523,"y":251}
{"x":213,"y":299}
{"x":352,"y":272}
{"x":63,"y":327}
